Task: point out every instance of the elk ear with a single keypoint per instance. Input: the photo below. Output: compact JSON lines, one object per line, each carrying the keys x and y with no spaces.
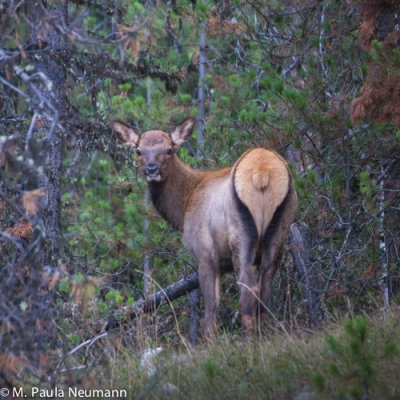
{"x":183,"y":131}
{"x":125,"y":133}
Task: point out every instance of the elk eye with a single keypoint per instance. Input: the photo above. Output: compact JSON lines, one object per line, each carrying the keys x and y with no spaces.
{"x":169,"y":152}
{"x":138,"y":152}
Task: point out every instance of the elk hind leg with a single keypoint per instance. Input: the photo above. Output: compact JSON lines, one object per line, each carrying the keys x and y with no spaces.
{"x":246,"y":277}
{"x":273,"y":243}
{"x":249,"y":295}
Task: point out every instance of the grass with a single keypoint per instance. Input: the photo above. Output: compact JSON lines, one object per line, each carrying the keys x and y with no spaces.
{"x":350,"y":359}
{"x":355,"y":359}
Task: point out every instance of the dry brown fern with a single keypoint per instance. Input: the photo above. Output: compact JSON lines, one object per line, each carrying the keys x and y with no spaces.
{"x":379,"y":97}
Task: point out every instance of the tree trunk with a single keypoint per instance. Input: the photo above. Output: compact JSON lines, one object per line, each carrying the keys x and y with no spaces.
{"x":384,"y":280}
{"x":194,"y":299}
{"x":300,"y":249}
{"x":147,"y":256}
{"x":54,"y":92}
{"x":201,"y":95}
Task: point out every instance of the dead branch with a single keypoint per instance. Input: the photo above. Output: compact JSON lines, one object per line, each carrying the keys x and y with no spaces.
{"x":162,"y":297}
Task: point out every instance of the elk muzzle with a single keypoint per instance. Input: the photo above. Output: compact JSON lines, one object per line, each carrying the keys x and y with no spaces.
{"x":152,"y":171}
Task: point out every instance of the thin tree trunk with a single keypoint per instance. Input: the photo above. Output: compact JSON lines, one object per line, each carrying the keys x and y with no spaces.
{"x":194,"y":299}
{"x":300,"y":249}
{"x":384,"y":281}
{"x":347,"y":161}
{"x":201,"y":95}
{"x":51,"y":179}
{"x":147,"y":256}
{"x":53,"y":186}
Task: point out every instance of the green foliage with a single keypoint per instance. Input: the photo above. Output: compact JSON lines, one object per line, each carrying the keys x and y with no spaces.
{"x":354,"y":360}
{"x":90,"y":22}
{"x":114,"y":296}
{"x":368,"y":189}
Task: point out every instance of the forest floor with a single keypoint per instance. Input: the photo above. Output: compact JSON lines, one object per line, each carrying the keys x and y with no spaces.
{"x":356,"y":358}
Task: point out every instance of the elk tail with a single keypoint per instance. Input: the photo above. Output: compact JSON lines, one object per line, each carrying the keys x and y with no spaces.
{"x":260,"y":181}
{"x":260,"y":178}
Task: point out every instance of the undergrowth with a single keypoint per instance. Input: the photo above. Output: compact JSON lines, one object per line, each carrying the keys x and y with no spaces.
{"x":352,"y":359}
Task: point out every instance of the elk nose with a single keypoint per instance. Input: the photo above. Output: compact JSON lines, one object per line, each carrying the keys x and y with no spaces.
{"x":151,"y":168}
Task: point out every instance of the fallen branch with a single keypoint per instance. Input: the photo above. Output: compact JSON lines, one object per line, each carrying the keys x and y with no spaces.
{"x":163,"y":296}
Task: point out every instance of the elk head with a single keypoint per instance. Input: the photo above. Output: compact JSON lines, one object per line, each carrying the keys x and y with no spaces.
{"x":154,"y":149}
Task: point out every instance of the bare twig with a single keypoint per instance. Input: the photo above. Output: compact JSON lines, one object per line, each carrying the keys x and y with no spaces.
{"x":87,"y":343}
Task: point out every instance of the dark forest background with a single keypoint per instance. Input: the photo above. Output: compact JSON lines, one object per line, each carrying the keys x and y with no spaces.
{"x":316,"y":80}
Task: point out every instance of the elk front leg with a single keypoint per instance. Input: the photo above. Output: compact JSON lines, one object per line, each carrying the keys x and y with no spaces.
{"x":209,"y":278}
{"x":246,"y":277}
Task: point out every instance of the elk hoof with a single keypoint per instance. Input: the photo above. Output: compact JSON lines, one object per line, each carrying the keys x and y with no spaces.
{"x":249,"y":326}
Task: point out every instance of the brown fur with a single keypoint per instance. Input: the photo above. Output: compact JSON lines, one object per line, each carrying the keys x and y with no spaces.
{"x":234,"y":218}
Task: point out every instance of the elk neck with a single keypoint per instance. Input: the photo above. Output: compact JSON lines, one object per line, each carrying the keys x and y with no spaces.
{"x":170,"y":197}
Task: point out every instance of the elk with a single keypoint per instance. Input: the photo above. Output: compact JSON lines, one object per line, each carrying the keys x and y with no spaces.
{"x":232,"y":219}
